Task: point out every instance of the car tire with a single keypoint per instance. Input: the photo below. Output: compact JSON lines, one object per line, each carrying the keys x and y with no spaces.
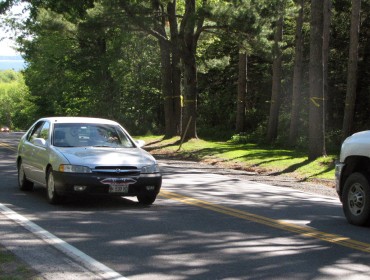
{"x":23,"y":183}
{"x":53,"y":196}
{"x":146,"y":199}
{"x":356,"y":199}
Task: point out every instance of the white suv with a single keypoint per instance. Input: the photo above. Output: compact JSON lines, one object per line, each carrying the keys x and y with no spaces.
{"x":352,"y":174}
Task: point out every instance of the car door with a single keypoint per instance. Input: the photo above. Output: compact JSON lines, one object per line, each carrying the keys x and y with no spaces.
{"x":40,"y":155}
{"x":28,"y":149}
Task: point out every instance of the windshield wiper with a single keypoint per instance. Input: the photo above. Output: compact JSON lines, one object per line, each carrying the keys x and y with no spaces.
{"x":64,"y":146}
{"x":102,"y":146}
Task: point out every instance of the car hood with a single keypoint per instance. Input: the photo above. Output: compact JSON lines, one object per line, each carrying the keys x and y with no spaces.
{"x":91,"y":157}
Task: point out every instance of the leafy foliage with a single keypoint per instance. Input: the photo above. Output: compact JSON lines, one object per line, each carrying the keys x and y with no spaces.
{"x":16,"y":104}
{"x":103,"y":58}
{"x":93,"y":69}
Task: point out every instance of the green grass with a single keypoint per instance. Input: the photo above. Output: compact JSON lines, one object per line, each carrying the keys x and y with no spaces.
{"x":11,"y":268}
{"x":253,"y":157}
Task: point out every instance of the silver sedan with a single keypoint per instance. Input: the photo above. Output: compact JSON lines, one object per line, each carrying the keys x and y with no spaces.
{"x":86,"y":156}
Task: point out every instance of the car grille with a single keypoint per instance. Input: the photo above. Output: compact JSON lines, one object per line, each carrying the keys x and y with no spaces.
{"x":117,"y":170}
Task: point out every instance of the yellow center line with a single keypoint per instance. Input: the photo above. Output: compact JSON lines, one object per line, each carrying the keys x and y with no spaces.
{"x":7,"y":146}
{"x":302,"y":230}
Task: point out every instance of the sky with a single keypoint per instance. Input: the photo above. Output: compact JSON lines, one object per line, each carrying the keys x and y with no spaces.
{"x":6,"y":47}
{"x":6,"y":44}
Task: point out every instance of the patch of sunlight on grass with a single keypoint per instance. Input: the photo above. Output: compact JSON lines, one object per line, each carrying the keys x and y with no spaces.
{"x":277,"y":161}
{"x":322,"y":168}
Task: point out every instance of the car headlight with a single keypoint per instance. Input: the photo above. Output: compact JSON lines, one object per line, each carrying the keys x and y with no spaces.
{"x":74,"y":168}
{"x":154,"y":168}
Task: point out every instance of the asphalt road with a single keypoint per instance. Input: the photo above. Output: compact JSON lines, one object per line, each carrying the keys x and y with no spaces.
{"x":204,"y":225}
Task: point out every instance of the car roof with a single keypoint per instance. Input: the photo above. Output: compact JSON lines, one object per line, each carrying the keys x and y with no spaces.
{"x":78,"y":120}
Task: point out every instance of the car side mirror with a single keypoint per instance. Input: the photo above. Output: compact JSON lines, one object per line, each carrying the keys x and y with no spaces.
{"x":140,"y":143}
{"x":39,"y":142}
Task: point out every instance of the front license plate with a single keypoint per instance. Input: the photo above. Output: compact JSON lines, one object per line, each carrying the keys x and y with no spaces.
{"x":118,"y":189}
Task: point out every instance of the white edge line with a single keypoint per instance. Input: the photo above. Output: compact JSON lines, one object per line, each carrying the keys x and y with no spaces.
{"x":77,"y":255}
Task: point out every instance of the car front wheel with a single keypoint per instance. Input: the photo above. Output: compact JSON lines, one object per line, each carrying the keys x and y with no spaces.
{"x":53,"y":196}
{"x":356,"y":199}
{"x":23,"y":182}
{"x":146,"y":199}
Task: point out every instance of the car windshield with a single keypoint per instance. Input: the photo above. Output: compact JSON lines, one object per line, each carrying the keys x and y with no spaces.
{"x":90,"y":134}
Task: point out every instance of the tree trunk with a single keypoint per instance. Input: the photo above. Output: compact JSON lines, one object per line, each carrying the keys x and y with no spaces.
{"x":297,"y":79}
{"x":190,"y":94}
{"x":188,"y":49}
{"x":325,"y":59}
{"x":109,"y":106}
{"x":166,"y":75}
{"x":315,"y":145}
{"x":242,"y":90}
{"x":272,"y":129}
{"x":176,"y":68}
{"x":168,"y":88}
{"x":349,"y":108}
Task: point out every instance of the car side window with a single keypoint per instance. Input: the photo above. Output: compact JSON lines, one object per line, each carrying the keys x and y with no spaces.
{"x":35,"y":131}
{"x":125,"y":141}
{"x":44,"y":133}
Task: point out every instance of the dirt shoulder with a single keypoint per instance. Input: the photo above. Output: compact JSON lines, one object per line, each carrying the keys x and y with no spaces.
{"x":13,"y":268}
{"x":163,"y":149}
{"x":317,"y":186}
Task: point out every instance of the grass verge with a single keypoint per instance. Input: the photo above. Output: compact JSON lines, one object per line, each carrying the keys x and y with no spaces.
{"x":249,"y":157}
{"x":12,"y":268}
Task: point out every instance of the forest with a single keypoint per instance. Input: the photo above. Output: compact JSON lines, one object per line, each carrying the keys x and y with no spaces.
{"x":292,"y":73}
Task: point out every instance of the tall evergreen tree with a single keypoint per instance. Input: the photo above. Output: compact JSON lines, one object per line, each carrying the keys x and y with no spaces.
{"x":325,"y":64}
{"x":315,"y":133}
{"x":350,"y":102}
{"x":242,"y":90}
{"x":297,"y":96}
{"x":272,"y":129}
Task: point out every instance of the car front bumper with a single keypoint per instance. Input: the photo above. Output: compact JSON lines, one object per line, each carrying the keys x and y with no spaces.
{"x":90,"y":183}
